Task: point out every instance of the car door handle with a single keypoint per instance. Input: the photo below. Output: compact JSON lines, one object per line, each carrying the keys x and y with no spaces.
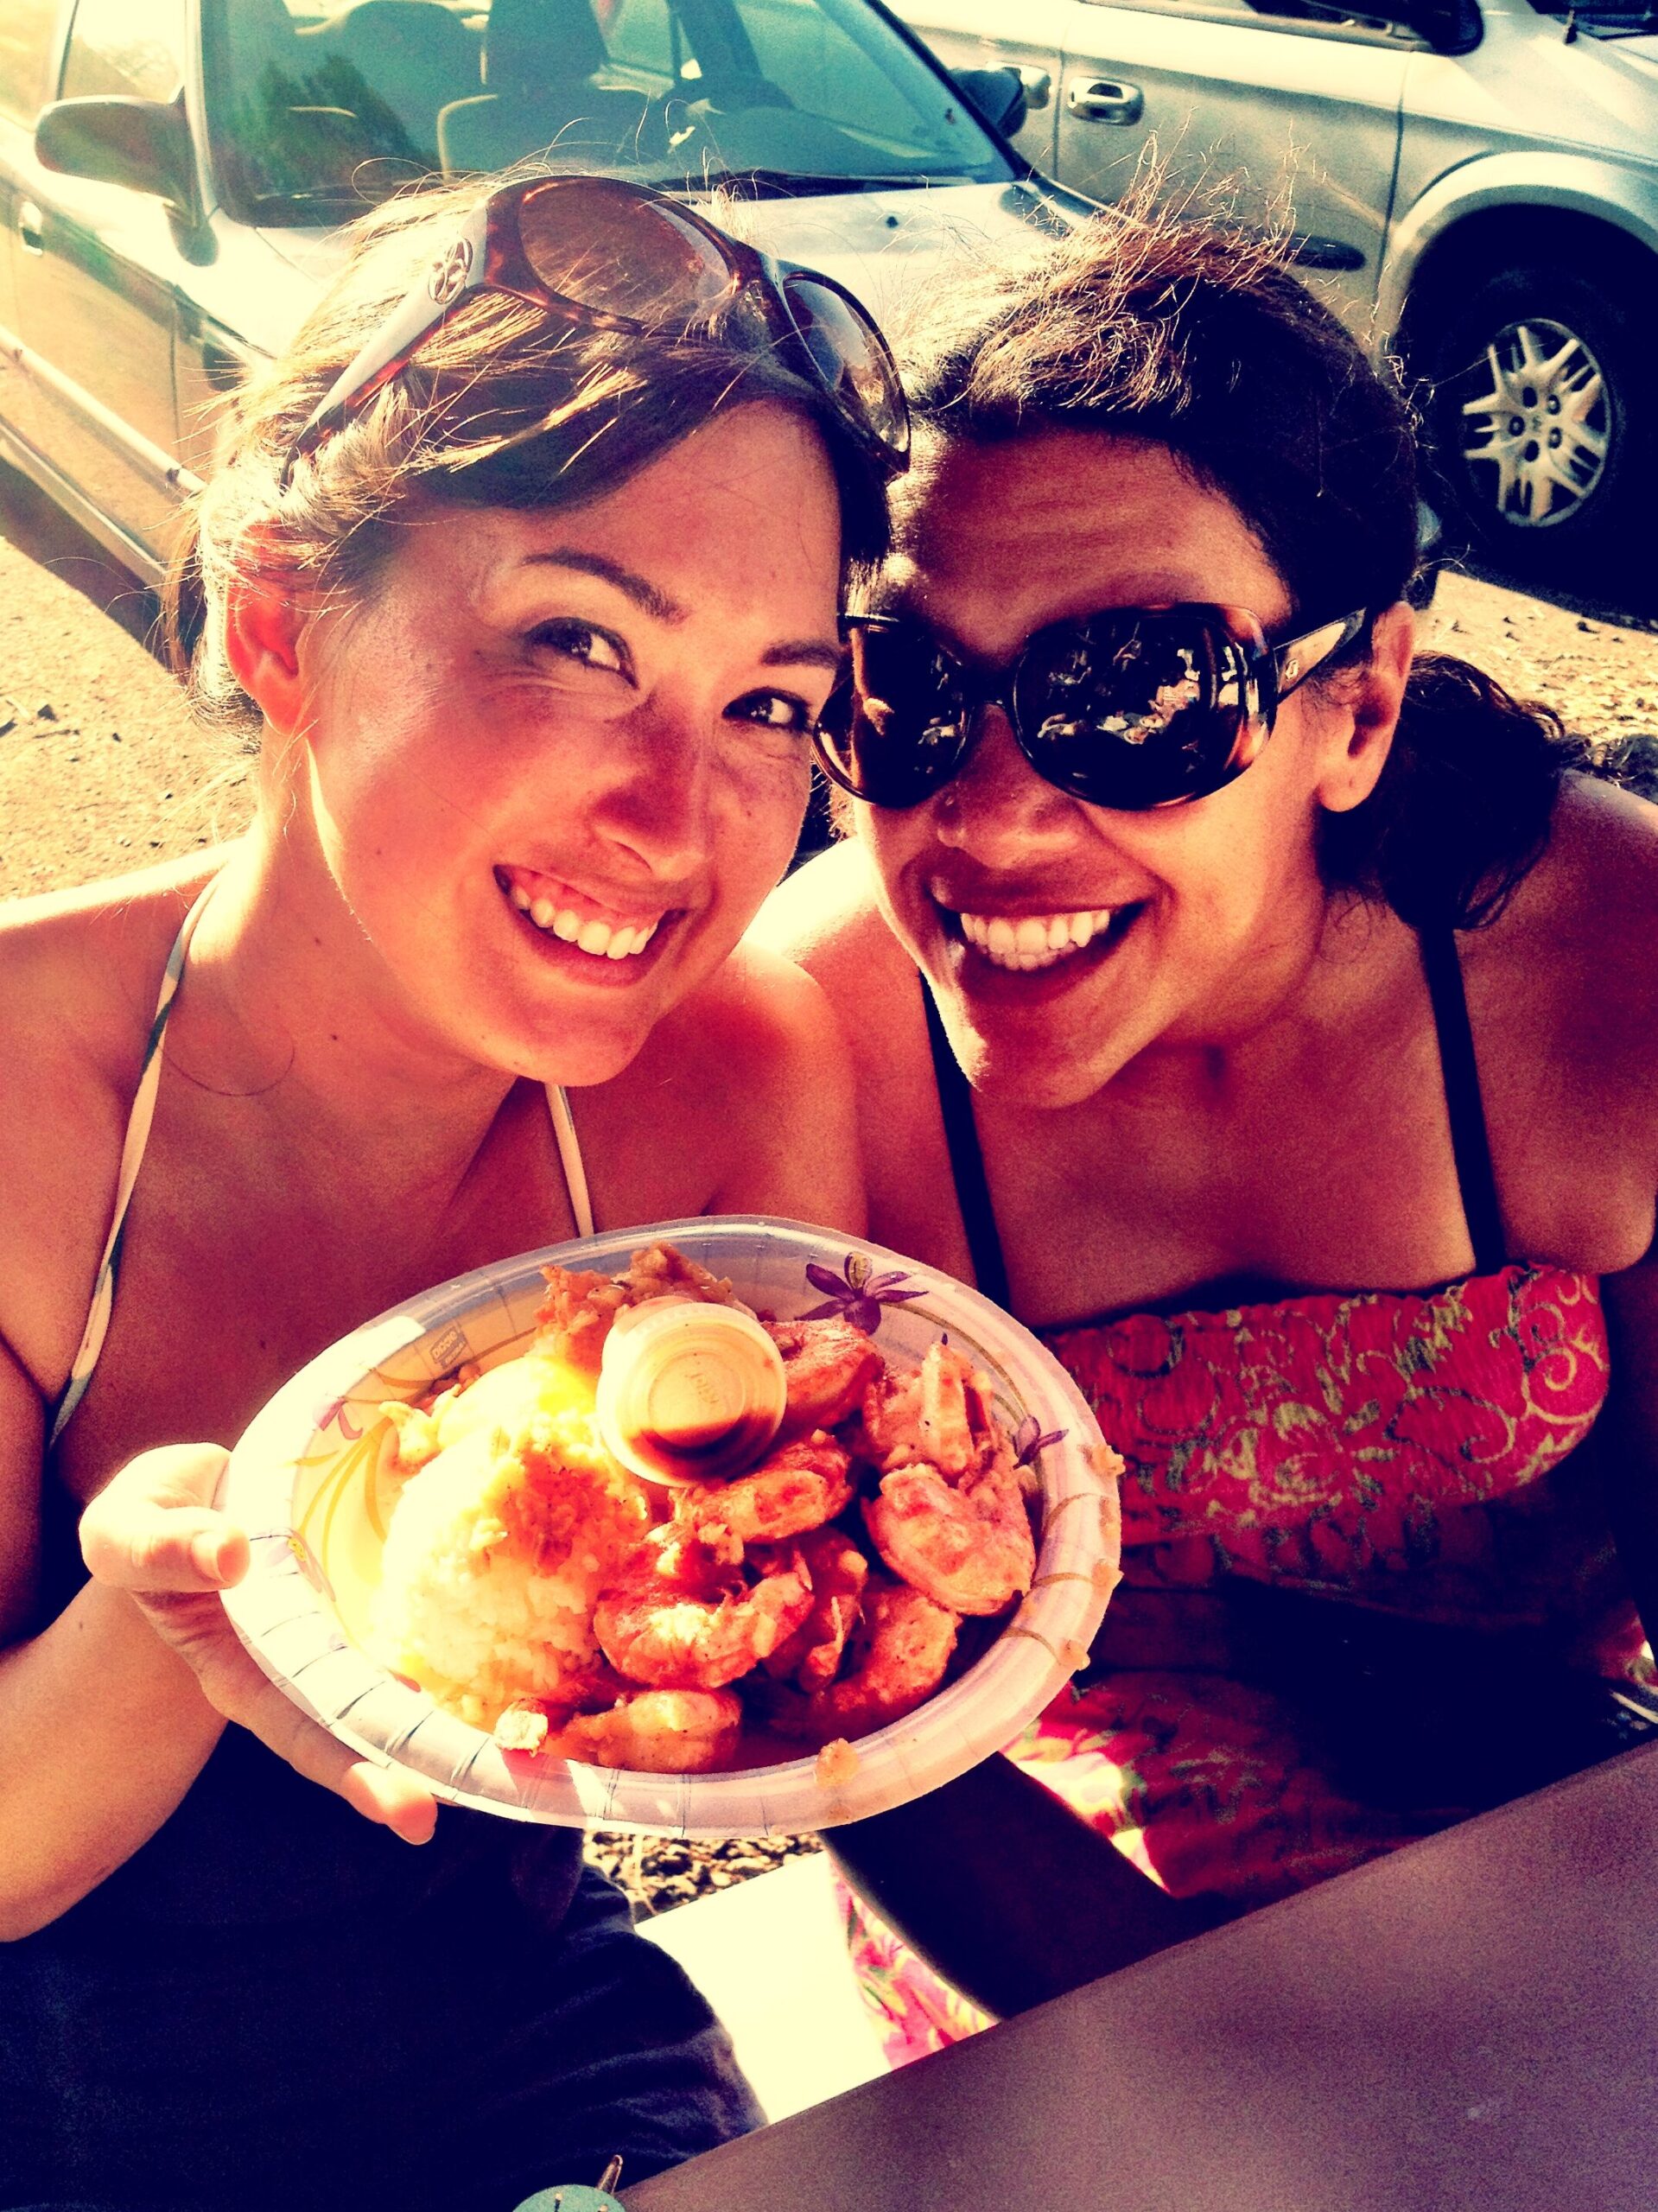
{"x":31,"y":227}
{"x":1104,"y":99}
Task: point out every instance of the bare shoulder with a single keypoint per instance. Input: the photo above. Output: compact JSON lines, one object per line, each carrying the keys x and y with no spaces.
{"x":1582,"y":927}
{"x":1563,"y":992}
{"x":755,"y":1020}
{"x":826,"y":917}
{"x":750,"y":1079}
{"x":79,"y":973}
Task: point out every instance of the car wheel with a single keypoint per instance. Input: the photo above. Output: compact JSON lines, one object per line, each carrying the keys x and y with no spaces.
{"x":1544,"y":417}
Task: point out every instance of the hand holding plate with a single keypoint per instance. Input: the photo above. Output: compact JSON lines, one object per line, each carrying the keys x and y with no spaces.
{"x":153,"y":1532}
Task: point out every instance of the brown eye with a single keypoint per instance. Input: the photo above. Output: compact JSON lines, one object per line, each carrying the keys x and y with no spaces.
{"x":773,"y":710}
{"x":581,"y":643}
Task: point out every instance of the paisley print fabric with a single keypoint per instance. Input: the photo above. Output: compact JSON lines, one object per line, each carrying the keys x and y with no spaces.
{"x":1397,"y":1453}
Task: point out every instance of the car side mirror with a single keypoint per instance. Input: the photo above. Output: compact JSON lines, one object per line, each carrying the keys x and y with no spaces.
{"x":998,"y":95}
{"x":143,"y":144}
{"x":1449,"y":26}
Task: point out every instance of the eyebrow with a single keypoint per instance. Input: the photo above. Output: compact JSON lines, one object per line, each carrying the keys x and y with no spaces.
{"x":805,"y":653}
{"x":644,"y":594}
{"x":795,"y":652}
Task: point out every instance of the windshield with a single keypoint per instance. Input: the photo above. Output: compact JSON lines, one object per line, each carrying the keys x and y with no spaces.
{"x":316,"y":108}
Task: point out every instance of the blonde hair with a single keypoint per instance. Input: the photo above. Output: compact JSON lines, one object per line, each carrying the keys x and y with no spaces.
{"x":504,"y":405}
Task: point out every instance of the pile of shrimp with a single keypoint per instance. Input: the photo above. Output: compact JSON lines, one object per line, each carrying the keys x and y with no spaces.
{"x":820,"y":1594}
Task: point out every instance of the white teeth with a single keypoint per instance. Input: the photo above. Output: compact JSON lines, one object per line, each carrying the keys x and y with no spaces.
{"x":1025,"y":942}
{"x":593,"y":936}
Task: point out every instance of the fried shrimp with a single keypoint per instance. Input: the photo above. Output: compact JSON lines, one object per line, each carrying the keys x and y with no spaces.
{"x":662,"y":1521}
{"x":828,"y":1365}
{"x":791,"y":1492}
{"x":937,"y":1417}
{"x":812,"y":1656}
{"x":965,"y":1544}
{"x":677,"y":1618}
{"x":656,"y":1731}
{"x":897,"y":1656}
{"x":576,"y":1314}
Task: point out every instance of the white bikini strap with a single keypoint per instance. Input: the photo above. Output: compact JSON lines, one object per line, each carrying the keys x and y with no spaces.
{"x":569,"y":1154}
{"x":132,"y":1153}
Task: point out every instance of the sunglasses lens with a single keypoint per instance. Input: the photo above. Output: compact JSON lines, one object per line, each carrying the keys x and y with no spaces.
{"x":851,"y":358}
{"x":896,"y":728}
{"x":1137,"y":710}
{"x":606,"y":249}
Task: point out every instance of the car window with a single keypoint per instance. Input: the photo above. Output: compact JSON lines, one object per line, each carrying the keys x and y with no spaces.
{"x":1327,"y":14}
{"x":125,"y":49}
{"x":26,"y":27}
{"x":315,"y":107}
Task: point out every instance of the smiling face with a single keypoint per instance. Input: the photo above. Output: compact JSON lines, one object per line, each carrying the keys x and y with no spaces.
{"x":557,"y":758}
{"x":1064,"y":939}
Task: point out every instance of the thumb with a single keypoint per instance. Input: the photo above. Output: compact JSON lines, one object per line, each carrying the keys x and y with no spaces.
{"x":153,"y":1527}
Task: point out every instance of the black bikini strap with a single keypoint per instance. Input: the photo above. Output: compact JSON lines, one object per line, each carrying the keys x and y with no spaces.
{"x":966,"y":1158}
{"x":1459,"y":1072}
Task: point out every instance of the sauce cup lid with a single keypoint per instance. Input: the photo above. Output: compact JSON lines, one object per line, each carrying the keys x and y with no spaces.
{"x":689,"y":1391}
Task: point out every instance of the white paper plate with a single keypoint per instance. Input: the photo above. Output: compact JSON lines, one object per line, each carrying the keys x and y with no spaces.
{"x":310,"y":1483}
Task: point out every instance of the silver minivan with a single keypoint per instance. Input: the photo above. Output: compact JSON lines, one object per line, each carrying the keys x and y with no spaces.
{"x":1476,"y":181}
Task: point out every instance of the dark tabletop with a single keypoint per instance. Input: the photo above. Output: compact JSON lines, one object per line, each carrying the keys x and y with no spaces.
{"x":1469,"y":2024}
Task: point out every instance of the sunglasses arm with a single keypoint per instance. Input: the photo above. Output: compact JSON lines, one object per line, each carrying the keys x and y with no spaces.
{"x":1297,"y":659}
{"x":429,"y":301}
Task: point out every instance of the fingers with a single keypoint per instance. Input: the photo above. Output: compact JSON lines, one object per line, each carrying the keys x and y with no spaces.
{"x":235,"y":1686}
{"x":393,"y":1798}
{"x":152,"y":1531}
{"x":387,"y":1794}
{"x":152,"y":1527}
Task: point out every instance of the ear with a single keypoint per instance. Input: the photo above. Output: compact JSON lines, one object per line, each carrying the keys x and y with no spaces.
{"x":1372,"y":701}
{"x":263,"y":626}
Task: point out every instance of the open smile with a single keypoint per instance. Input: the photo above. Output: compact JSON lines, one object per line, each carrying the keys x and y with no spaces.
{"x":579,"y":926}
{"x":1031,"y":944}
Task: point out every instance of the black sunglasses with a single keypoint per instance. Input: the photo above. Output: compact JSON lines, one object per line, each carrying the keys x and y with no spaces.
{"x":613,"y":256}
{"x":1133,"y":708}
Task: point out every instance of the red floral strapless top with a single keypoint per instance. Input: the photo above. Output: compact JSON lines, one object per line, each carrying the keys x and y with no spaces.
{"x":1386,"y":1447}
{"x":1365,"y":1587}
{"x":1400,"y":1451}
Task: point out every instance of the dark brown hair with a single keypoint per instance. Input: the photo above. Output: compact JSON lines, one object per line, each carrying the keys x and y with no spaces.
{"x":503,"y":406}
{"x":1197,"y":336}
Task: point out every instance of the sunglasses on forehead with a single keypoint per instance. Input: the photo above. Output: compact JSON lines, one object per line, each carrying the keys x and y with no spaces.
{"x":605,"y":255}
{"x":1133,"y":708}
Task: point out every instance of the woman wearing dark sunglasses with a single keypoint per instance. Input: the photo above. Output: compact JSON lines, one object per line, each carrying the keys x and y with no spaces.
{"x":522,"y":570}
{"x":1268,"y":1018}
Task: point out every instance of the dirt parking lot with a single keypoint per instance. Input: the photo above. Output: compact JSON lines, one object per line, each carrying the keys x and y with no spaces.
{"x":102,"y":769}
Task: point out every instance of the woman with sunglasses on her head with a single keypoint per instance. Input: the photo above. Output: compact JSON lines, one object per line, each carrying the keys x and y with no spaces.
{"x":527,"y":583}
{"x":1268,"y":1018}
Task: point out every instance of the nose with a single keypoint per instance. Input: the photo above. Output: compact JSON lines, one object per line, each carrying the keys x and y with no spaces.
{"x":996,"y":804}
{"x":652,"y":805}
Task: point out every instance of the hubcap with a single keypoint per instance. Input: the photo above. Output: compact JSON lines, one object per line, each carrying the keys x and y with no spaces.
{"x":1544,"y":424}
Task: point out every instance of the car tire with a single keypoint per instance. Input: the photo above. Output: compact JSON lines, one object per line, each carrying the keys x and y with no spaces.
{"x":1543,"y":418}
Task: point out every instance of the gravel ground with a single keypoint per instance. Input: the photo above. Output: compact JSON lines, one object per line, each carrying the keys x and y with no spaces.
{"x":102,"y":770}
